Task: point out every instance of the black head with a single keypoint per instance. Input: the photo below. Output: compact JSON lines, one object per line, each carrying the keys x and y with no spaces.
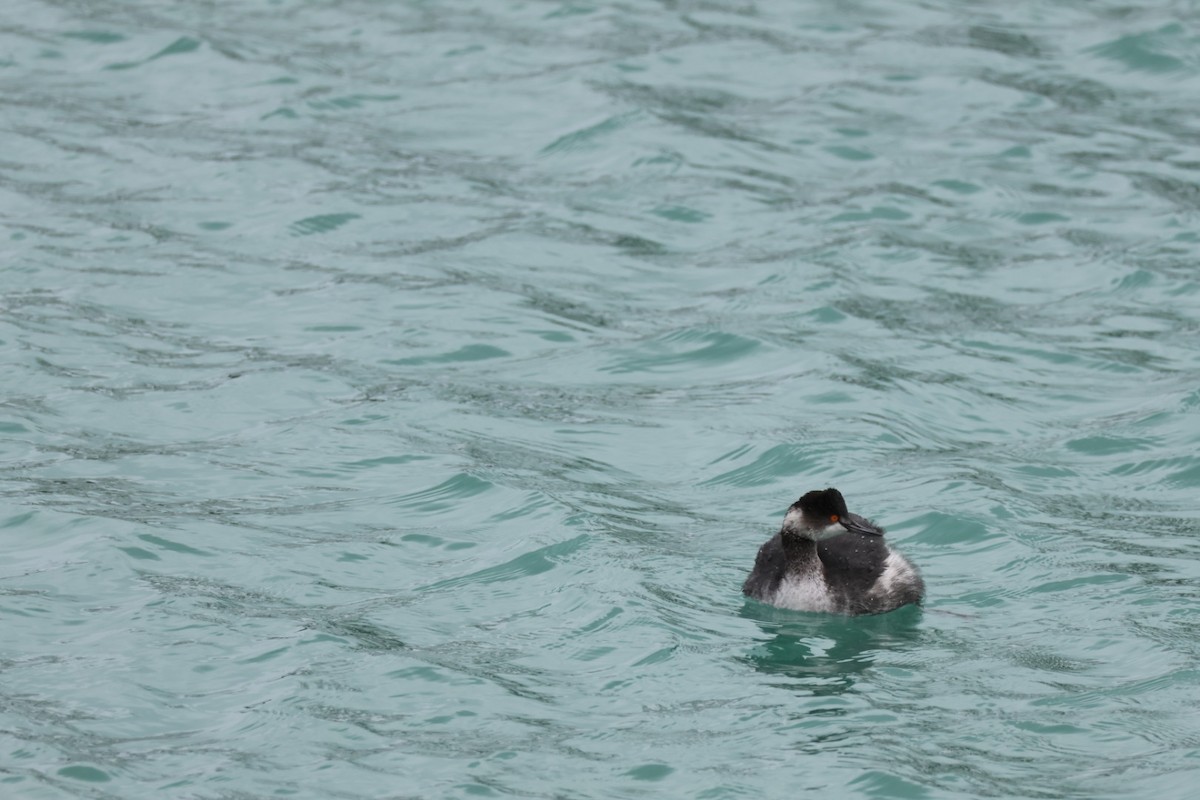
{"x":818,"y":510}
{"x":821,"y":508}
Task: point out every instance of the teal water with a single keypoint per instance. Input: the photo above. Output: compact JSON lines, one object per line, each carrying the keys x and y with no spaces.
{"x":396,"y":394}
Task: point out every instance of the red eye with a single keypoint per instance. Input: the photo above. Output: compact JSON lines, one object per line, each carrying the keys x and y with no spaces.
{"x":833,"y":517}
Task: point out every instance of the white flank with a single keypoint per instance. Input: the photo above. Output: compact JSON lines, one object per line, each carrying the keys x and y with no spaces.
{"x":897,"y":572}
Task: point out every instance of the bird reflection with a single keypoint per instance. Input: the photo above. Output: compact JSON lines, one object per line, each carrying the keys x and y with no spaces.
{"x":827,"y":652}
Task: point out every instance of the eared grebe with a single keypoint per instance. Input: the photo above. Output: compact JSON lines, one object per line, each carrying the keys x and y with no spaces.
{"x":826,"y":559}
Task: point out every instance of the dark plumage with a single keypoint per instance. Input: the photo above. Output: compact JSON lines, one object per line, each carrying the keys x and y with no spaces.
{"x":826,"y":559}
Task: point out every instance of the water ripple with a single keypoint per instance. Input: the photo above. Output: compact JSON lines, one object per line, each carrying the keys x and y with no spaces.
{"x":397,"y":395}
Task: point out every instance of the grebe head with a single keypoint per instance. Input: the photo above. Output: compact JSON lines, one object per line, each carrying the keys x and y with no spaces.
{"x":822,"y":513}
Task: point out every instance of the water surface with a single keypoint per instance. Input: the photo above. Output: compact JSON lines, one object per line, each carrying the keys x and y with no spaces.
{"x":396,"y":395}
